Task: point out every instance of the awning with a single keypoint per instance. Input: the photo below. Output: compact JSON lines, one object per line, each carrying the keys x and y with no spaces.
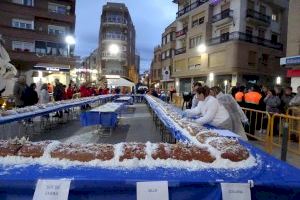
{"x":52,"y":67}
{"x":293,"y":73}
{"x":294,"y":60}
{"x":120,"y":82}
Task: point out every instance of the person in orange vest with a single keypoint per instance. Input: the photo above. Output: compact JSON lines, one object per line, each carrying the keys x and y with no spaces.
{"x":254,"y":101}
{"x":239,"y":96}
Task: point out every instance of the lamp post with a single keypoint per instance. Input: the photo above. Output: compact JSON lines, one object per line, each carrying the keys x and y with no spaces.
{"x":211,"y":78}
{"x":202,"y":48}
{"x":147,"y":75}
{"x":70,"y":40}
{"x":225,"y":84}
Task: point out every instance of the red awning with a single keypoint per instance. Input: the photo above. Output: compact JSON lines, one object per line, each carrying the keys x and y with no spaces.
{"x":293,"y":73}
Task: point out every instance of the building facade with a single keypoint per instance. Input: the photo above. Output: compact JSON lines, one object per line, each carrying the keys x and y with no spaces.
{"x":117,"y":42}
{"x":162,"y":63}
{"x":168,"y":45}
{"x":156,"y":66}
{"x":244,"y":42}
{"x":292,"y":61}
{"x":34,"y":32}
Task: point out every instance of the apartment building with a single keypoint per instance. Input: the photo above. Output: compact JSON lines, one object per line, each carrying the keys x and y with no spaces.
{"x":90,"y":69}
{"x":34,"y":32}
{"x":117,"y":42}
{"x":244,"y":41}
{"x":162,"y":63}
{"x":292,"y":61}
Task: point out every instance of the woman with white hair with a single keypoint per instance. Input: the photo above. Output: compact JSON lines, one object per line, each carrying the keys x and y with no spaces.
{"x":210,"y":110}
{"x":236,"y":113}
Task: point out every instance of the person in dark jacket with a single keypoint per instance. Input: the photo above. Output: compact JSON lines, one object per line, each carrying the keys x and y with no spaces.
{"x":58,"y":92}
{"x":19,"y":90}
{"x":58,"y":95}
{"x":31,"y":96}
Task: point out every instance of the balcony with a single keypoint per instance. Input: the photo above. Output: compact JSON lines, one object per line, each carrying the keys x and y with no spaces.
{"x":246,"y":38}
{"x":190,"y":7}
{"x":222,"y":18}
{"x":31,"y":34}
{"x":258,"y":18}
{"x":119,"y":37}
{"x":32,"y":57}
{"x":181,"y":32}
{"x":37,"y":12}
{"x":180,"y":51}
{"x":114,"y":20}
{"x":108,"y":56}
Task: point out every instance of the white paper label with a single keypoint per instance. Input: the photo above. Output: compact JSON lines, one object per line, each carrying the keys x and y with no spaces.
{"x":152,"y":190}
{"x":52,"y":190}
{"x":236,"y":191}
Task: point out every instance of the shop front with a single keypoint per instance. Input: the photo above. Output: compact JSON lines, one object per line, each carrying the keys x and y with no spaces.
{"x":45,"y":73}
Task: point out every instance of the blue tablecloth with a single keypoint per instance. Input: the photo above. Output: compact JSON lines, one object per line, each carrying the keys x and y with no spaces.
{"x":105,"y":119}
{"x":42,"y":112}
{"x":127,"y":101}
{"x":272,"y":179}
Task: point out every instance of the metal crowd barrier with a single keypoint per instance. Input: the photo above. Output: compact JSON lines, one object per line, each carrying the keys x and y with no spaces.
{"x":259,"y":126}
{"x":285,"y":126}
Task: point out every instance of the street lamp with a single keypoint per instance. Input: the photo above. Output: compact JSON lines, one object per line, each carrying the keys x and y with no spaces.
{"x":278,"y":80}
{"x":225,"y":84}
{"x":70,"y":40}
{"x":201,"y":48}
{"x":211,"y":78}
{"x":114,"y":49}
{"x":147,"y":75}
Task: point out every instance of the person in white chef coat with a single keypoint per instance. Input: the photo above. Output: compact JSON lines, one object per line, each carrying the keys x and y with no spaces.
{"x":209,"y":109}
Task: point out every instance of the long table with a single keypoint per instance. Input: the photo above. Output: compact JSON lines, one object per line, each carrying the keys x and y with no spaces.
{"x":54,"y":108}
{"x":105,"y":115}
{"x":272,"y":179}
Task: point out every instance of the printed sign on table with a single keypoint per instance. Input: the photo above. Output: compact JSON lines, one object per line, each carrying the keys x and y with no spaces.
{"x":236,"y":191}
{"x":152,"y":190}
{"x":52,"y":190}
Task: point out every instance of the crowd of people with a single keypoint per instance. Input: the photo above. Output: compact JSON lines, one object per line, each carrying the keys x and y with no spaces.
{"x":25,"y":95}
{"x":211,"y":106}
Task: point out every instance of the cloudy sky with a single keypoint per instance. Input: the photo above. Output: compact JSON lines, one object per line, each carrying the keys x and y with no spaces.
{"x":150,"y":18}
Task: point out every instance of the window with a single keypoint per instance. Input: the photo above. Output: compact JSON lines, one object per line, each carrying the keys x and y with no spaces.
{"x":261,"y":33}
{"x":262,"y":9}
{"x":225,"y":6}
{"x":274,"y":38}
{"x":252,"y":58}
{"x":24,"y":24}
{"x":197,"y":21}
{"x":51,"y":48}
{"x":194,"y":63}
{"x":195,"y":41}
{"x":56,"y":30}
{"x":224,"y":34}
{"x":24,"y":2}
{"x":23,"y":46}
{"x":167,"y":54}
{"x":265,"y":59}
{"x":274,"y":17}
{"x":57,"y":8}
{"x":250,"y":4}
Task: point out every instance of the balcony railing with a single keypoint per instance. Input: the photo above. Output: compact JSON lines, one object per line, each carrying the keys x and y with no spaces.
{"x":190,"y":7}
{"x":115,"y":37}
{"x":117,"y":20}
{"x":114,"y":56}
{"x":224,"y":14}
{"x":180,"y":51}
{"x":181,"y":32}
{"x":247,"y":38}
{"x":258,"y":16}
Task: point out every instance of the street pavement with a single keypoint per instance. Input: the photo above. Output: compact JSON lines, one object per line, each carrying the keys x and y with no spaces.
{"x":133,"y":127}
